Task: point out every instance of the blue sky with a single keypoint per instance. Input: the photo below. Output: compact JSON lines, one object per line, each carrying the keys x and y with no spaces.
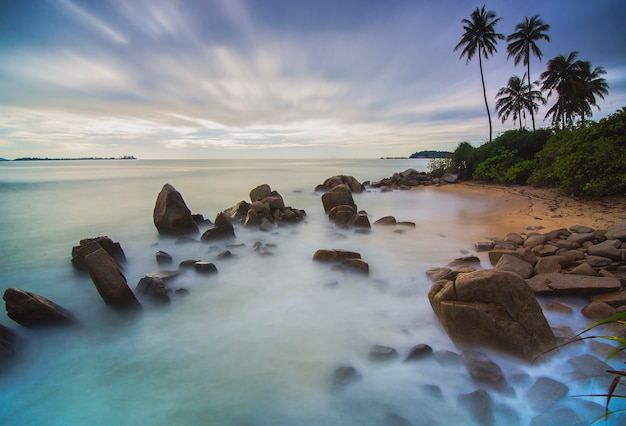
{"x":270,"y":78}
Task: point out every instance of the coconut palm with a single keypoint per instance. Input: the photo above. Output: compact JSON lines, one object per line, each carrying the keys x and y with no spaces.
{"x":517,"y":98}
{"x":560,"y":76}
{"x":480,"y":36}
{"x":590,"y":85}
{"x":523,"y":41}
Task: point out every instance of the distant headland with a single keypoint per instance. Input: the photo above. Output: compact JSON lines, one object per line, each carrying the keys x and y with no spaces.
{"x":122,"y":157}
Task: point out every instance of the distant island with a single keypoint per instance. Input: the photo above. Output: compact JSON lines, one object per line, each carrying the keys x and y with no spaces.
{"x":430,"y":154}
{"x":122,"y":157}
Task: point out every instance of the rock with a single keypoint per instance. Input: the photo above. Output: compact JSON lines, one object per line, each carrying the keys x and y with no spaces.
{"x":89,"y":245}
{"x":171,"y":215}
{"x":484,"y":246}
{"x":615,"y":299}
{"x":590,"y":367}
{"x":596,"y":311}
{"x":356,"y":265}
{"x":419,"y":352}
{"x":584,"y":269}
{"x":534,"y":240}
{"x":266,"y":225}
{"x":110,"y":282}
{"x":581,"y":229}
{"x":571,"y":285}
{"x":617,"y":232}
{"x":492,"y":309}
{"x":558,"y":307}
{"x":205,"y":267}
{"x":341,"y":215}
{"x":544,"y":393}
{"x":450,"y":178}
{"x":521,"y":253}
{"x":479,"y":406}
{"x":338,"y":196}
{"x":350,"y":181}
{"x":544,"y":250}
{"x":386,"y":221}
{"x":360,"y":221}
{"x":382,"y":353}
{"x":334,"y":255}
{"x":546,"y":265}
{"x":153,"y":289}
{"x":32,"y":310}
{"x":513,"y":264}
{"x":163,"y":258}
{"x":581,"y":238}
{"x":559,"y":416}
{"x":393,"y":419}
{"x":436,"y":274}
{"x":260,"y":192}
{"x":597,"y":261}
{"x":222,"y":229}
{"x":448,"y":358}
{"x":608,"y":248}
{"x":434,"y":391}
{"x":485,"y":372}
{"x":344,"y":376}
{"x":238,"y":212}
{"x":514,"y":238}
{"x":472,"y":261}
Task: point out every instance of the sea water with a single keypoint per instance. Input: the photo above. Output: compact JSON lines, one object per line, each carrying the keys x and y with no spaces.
{"x":255,"y":344}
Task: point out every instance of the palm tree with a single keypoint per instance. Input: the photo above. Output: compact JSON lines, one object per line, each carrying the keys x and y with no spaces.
{"x":589,"y":85}
{"x":480,"y":36}
{"x":561,"y":75}
{"x":517,"y":98}
{"x":523,"y":41}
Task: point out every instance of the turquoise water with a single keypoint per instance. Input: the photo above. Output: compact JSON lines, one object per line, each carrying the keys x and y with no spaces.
{"x":255,"y":344}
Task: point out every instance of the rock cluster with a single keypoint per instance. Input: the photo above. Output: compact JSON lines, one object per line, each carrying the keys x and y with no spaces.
{"x":411,"y":178}
{"x":339,"y":204}
{"x":350,"y":181}
{"x":342,"y":260}
{"x":89,"y":245}
{"x":265,"y":210}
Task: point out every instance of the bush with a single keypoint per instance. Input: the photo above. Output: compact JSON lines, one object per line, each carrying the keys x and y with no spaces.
{"x":587,"y":162}
{"x":440,"y":166}
{"x":495,"y":168}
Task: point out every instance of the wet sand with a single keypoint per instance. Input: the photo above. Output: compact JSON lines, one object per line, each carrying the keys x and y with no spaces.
{"x":522,"y":208}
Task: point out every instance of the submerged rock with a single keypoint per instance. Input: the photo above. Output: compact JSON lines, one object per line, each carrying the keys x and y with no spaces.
{"x":350,"y":181}
{"x":222,"y":229}
{"x":344,"y":376}
{"x":153,"y":288}
{"x":340,"y":195}
{"x":32,"y":310}
{"x":479,"y":406}
{"x":171,"y":215}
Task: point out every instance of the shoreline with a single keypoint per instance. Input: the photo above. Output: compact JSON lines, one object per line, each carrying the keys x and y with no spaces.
{"x":525,"y":208}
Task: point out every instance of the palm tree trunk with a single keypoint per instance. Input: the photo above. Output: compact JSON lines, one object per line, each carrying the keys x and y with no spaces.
{"x":482,"y":77}
{"x":530,"y":89}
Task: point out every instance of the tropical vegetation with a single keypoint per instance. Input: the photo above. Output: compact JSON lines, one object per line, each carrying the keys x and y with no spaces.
{"x":480,"y":37}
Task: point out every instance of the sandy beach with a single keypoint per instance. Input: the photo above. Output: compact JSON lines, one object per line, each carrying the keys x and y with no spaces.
{"x":518,"y":208}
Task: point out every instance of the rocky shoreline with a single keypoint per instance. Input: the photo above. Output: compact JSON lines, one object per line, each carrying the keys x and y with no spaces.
{"x":482,"y":310}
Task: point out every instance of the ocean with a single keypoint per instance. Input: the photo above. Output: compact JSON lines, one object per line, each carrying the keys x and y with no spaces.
{"x":257,"y":343}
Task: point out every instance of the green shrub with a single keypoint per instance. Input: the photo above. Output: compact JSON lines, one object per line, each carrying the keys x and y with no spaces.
{"x":494,"y":168}
{"x":440,"y":166}
{"x":589,"y":162}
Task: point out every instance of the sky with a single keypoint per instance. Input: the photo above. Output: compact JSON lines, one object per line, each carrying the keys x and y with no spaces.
{"x":271,"y":78}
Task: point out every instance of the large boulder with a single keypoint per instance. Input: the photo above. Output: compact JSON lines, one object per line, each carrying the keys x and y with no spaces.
{"x":340,"y":195}
{"x":32,"y":310}
{"x":110,"y":281}
{"x":492,"y":309}
{"x":617,"y":232}
{"x":556,"y":284}
{"x":350,"y":181}
{"x":171,"y":215}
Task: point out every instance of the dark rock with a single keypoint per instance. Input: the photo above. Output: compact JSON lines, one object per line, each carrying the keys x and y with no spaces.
{"x":534,"y":240}
{"x":238,"y":212}
{"x":589,"y":366}
{"x":163,"y":258}
{"x":485,"y":372}
{"x":581,"y":237}
{"x":434,"y":391}
{"x":338,"y":196}
{"x":226,"y":254}
{"x":521,"y":253}
{"x":360,"y":221}
{"x":450,"y":178}
{"x":513,"y":264}
{"x":544,"y":393}
{"x":608,"y":248}
{"x":546,"y":265}
{"x":492,"y":309}
{"x":514,"y":238}
{"x":382,"y":353}
{"x":419,"y":352}
{"x":344,"y":376}
{"x":448,"y":358}
{"x":10,"y":343}
{"x":558,"y":307}
{"x":386,"y":220}
{"x":559,"y":416}
{"x":110,"y":282}
{"x":188,"y":263}
{"x":89,"y":245}
{"x":597,"y":261}
{"x":334,"y":255}
{"x":617,"y":232}
{"x":32,"y":310}
{"x":571,"y":285}
{"x":584,"y":269}
{"x":484,"y":246}
{"x":171,"y":215}
{"x":581,"y":229}
{"x":350,"y":181}
{"x":222,"y":229}
{"x":465,"y":261}
{"x":205,"y":267}
{"x":260,"y":192}
{"x":436,"y":274}
{"x":356,"y":265}
{"x":479,"y":406}
{"x":153,"y":289}
{"x":598,"y":310}
{"x":615,"y":299}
